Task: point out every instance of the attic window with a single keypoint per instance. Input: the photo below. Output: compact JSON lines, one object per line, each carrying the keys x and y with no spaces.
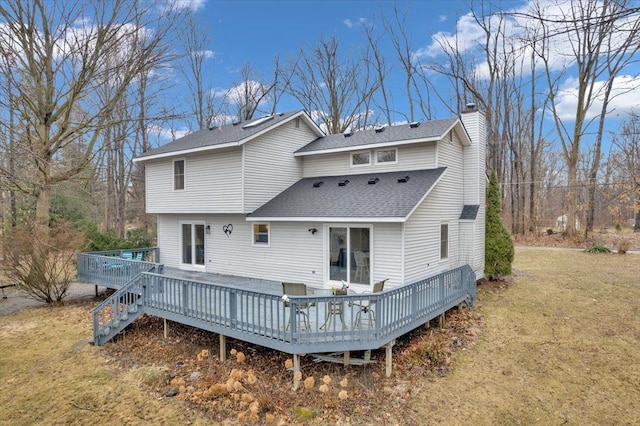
{"x":388,"y":156}
{"x":258,"y":121}
{"x":373,"y":181}
{"x":318,"y":184}
{"x":343,"y":183}
{"x":403,"y":179}
{"x":362,"y":158}
{"x":348,"y":134}
{"x":380,"y":129}
{"x":235,"y":123}
{"x":212,"y":127}
{"x":414,"y":124}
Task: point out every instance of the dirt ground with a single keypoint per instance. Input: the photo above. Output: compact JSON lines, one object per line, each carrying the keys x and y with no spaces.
{"x":556,"y":344}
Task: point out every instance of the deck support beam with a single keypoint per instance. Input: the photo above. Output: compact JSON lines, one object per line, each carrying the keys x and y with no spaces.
{"x":389,"y":359}
{"x":347,"y":357}
{"x":297,"y":375}
{"x":441,"y":320}
{"x":223,"y":348}
{"x":166,"y":328}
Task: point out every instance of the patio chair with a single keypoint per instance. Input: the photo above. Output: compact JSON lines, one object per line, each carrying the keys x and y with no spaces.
{"x":362,"y":264}
{"x":297,"y":289}
{"x":366,"y":307}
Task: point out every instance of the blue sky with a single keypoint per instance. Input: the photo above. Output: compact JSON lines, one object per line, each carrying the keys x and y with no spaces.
{"x":255,"y":31}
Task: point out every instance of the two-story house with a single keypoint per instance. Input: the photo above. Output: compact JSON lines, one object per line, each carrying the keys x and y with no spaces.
{"x":275,"y":198}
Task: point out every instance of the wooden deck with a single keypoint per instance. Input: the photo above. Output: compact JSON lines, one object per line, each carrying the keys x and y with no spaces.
{"x":254,"y":311}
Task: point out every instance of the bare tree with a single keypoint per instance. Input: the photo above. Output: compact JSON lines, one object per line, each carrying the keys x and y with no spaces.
{"x":379,"y":64}
{"x":590,"y":33}
{"x":332,"y":88}
{"x":197,"y":76}
{"x":627,"y":162}
{"x":64,"y":51}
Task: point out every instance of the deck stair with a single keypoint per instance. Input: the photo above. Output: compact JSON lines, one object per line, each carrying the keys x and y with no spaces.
{"x":119,"y":310}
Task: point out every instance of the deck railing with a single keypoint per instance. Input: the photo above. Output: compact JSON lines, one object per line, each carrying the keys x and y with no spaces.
{"x":111,"y":269}
{"x":304,"y":324}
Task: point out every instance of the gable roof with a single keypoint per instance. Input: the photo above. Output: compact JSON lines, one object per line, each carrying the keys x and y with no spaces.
{"x":421,"y":131}
{"x":387,"y":200}
{"x":227,"y":135}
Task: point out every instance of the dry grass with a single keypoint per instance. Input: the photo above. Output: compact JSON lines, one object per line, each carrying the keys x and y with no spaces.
{"x":557,"y":345}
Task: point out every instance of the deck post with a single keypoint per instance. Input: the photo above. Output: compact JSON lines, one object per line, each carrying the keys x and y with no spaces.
{"x":223,"y":348}
{"x":347,"y":356}
{"x":166,"y":328}
{"x":388,"y":347}
{"x":441,"y":320}
{"x":296,"y":372}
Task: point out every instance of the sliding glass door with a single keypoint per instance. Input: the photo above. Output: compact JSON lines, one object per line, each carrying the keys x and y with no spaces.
{"x":193,"y":245}
{"x":350,"y":254}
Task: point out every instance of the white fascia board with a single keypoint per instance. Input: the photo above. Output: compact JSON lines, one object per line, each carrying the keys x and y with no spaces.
{"x":302,"y":114}
{"x":465,"y":133}
{"x":369,"y":146}
{"x":187,"y":151}
{"x":425,"y":196}
{"x":328,"y":219}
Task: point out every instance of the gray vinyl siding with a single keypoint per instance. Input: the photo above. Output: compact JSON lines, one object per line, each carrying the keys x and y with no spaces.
{"x":269,"y":164}
{"x":213,"y":184}
{"x":442,"y":205}
{"x":409,"y":157}
{"x":475,"y":190}
{"x":293,"y":254}
{"x":387,"y":254}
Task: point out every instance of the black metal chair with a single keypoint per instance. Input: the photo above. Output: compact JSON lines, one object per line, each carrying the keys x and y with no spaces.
{"x":366,"y":307}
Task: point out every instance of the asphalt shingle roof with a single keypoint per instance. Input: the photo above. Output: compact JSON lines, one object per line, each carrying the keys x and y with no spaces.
{"x":469,"y":212}
{"x":426,"y":129}
{"x":226,"y":134}
{"x":357,"y":199}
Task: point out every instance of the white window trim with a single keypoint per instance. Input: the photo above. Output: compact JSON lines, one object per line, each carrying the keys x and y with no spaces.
{"x":193,"y":266}
{"x":360,"y":165}
{"x":326,"y":256}
{"x":173,"y":174}
{"x":440,"y":241}
{"x":253,"y":234}
{"x":386,"y":162}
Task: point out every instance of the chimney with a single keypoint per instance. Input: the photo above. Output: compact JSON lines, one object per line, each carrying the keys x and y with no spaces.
{"x":474,"y":122}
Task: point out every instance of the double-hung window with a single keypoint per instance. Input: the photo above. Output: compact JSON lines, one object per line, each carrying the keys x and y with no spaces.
{"x":444,"y":241}
{"x":260,"y":234}
{"x":178,"y":174}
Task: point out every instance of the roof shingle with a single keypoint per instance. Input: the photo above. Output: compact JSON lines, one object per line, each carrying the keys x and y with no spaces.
{"x":386,"y":199}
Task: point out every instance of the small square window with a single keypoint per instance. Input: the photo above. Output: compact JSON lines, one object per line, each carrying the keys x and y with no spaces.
{"x":178,"y":174}
{"x":444,"y":241}
{"x":386,"y":156}
{"x":261,"y":234}
{"x":361,"y":158}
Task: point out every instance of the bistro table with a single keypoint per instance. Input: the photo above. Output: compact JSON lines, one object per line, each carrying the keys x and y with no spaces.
{"x":334,"y":307}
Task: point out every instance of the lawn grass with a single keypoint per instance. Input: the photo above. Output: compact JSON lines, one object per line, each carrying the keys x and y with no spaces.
{"x":560,"y":344}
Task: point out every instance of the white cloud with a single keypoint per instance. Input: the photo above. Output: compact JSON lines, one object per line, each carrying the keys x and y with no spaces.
{"x":469,"y":37}
{"x":442,"y":18}
{"x":349,"y":23}
{"x":166,"y":134}
{"x":625,"y":96}
{"x":193,"y":5}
